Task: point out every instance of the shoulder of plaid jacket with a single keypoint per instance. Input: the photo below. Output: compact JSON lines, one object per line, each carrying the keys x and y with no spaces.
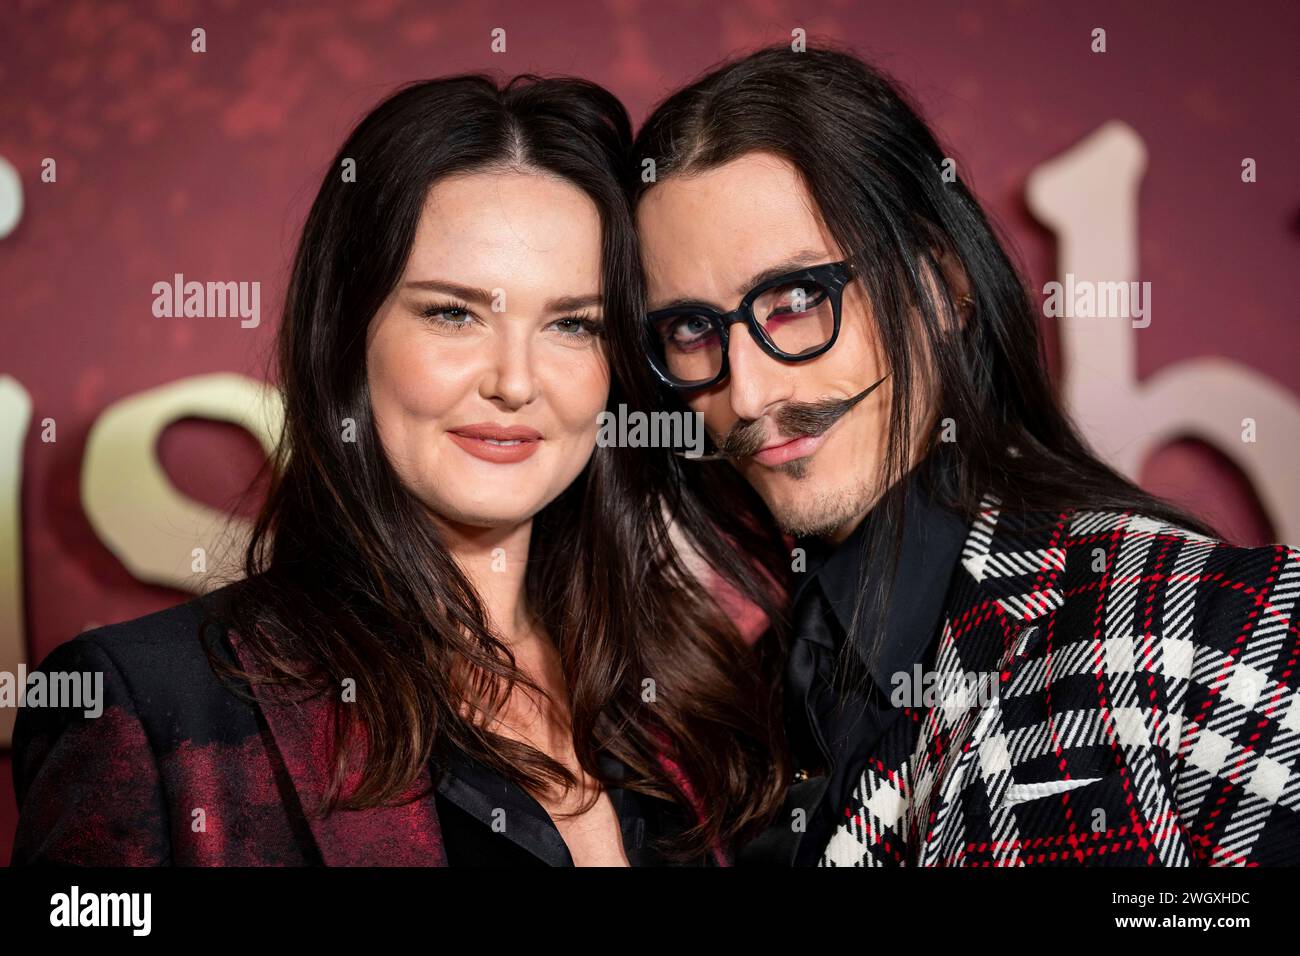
{"x":1108,"y":688}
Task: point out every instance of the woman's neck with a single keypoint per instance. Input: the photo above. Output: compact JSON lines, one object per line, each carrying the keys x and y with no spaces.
{"x":495,"y":560}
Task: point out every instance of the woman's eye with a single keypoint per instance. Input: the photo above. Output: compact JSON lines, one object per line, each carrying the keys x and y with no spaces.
{"x":578,"y":327}
{"x":448,"y":316}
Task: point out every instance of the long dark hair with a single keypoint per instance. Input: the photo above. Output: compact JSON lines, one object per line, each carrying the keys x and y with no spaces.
{"x":346,"y":577}
{"x":873,"y":168}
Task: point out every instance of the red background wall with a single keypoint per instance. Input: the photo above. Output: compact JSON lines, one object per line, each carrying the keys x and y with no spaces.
{"x":171,"y":161}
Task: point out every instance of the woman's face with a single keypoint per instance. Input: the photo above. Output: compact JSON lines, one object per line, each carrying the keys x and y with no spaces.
{"x":486,"y":367}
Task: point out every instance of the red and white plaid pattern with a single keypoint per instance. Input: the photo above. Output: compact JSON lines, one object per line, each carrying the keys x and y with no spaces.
{"x":1147,"y":711}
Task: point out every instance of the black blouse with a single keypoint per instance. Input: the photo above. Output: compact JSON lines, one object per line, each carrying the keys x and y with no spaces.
{"x":472,"y":797}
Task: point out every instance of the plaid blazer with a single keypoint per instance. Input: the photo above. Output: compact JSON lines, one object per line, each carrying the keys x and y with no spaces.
{"x":1146,"y":710}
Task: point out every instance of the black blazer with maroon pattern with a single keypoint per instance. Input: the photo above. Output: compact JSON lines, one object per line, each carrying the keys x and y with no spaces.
{"x":180,"y":770}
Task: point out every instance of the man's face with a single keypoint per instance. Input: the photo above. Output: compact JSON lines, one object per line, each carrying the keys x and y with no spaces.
{"x":704,"y":238}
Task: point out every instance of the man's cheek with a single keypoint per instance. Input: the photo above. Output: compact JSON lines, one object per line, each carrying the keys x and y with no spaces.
{"x":715,"y":425}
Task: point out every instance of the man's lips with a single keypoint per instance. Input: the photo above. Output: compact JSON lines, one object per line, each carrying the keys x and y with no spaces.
{"x":779,"y":454}
{"x":500,"y":444}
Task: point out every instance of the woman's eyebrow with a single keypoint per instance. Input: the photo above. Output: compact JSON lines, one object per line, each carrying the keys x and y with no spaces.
{"x":567,"y":303}
{"x":572,"y":303}
{"x":468,"y":293}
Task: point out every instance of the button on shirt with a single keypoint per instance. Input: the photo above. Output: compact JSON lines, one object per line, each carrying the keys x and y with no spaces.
{"x":834,"y":730}
{"x":489,"y":820}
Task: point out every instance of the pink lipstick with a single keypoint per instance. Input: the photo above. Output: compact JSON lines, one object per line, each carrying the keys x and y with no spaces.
{"x":499,"y":444}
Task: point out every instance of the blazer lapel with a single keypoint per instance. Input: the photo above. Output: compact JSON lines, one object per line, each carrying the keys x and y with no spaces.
{"x":1080,"y":700}
{"x":406,"y":834}
{"x":969,"y":753}
{"x":1011,"y":582}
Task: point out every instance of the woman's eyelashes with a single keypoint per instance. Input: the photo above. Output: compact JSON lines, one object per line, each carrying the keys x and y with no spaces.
{"x":579,"y":326}
{"x":456,"y":316}
{"x":452,"y":316}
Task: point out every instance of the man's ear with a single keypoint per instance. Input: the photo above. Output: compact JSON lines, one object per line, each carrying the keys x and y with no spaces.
{"x":956,"y":282}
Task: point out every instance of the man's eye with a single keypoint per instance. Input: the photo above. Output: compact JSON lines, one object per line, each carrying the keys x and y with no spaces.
{"x":691,"y":328}
{"x":691,"y":332}
{"x":798,"y":298}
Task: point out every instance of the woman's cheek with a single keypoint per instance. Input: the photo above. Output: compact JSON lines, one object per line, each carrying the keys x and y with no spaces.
{"x":579,"y":388}
{"x":429,"y":379}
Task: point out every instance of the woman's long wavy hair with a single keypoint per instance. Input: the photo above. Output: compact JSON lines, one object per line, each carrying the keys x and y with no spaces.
{"x":347,"y":577}
{"x":873,"y":169}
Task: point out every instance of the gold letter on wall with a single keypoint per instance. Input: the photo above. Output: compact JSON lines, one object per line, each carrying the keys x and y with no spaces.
{"x":1088,"y":196}
{"x":153,"y":529}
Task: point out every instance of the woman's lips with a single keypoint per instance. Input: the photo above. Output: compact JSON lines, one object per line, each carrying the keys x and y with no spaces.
{"x":499,"y":444}
{"x":800,"y":447}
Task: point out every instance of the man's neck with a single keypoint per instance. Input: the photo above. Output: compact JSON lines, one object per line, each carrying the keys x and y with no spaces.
{"x":841,"y":534}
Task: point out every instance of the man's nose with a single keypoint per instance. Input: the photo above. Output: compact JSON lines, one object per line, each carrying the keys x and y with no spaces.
{"x":757,"y":382}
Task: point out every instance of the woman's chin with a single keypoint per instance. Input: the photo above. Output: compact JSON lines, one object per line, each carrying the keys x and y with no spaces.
{"x":506,"y":513}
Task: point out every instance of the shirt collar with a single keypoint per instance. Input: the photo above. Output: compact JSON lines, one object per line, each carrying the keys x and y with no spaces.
{"x":932,"y":542}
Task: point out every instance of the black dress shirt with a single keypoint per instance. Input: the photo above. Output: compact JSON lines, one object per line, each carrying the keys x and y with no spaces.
{"x":833,"y":730}
{"x":471,"y":798}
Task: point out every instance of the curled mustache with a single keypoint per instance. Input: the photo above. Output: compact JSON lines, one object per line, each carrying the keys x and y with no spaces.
{"x":793,"y":419}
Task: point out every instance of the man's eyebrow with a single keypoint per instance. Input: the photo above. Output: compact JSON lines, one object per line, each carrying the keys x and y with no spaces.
{"x":566,"y":303}
{"x":804,"y":257}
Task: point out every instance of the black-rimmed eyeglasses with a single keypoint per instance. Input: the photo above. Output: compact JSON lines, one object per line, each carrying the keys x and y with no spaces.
{"x":793,"y":318}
